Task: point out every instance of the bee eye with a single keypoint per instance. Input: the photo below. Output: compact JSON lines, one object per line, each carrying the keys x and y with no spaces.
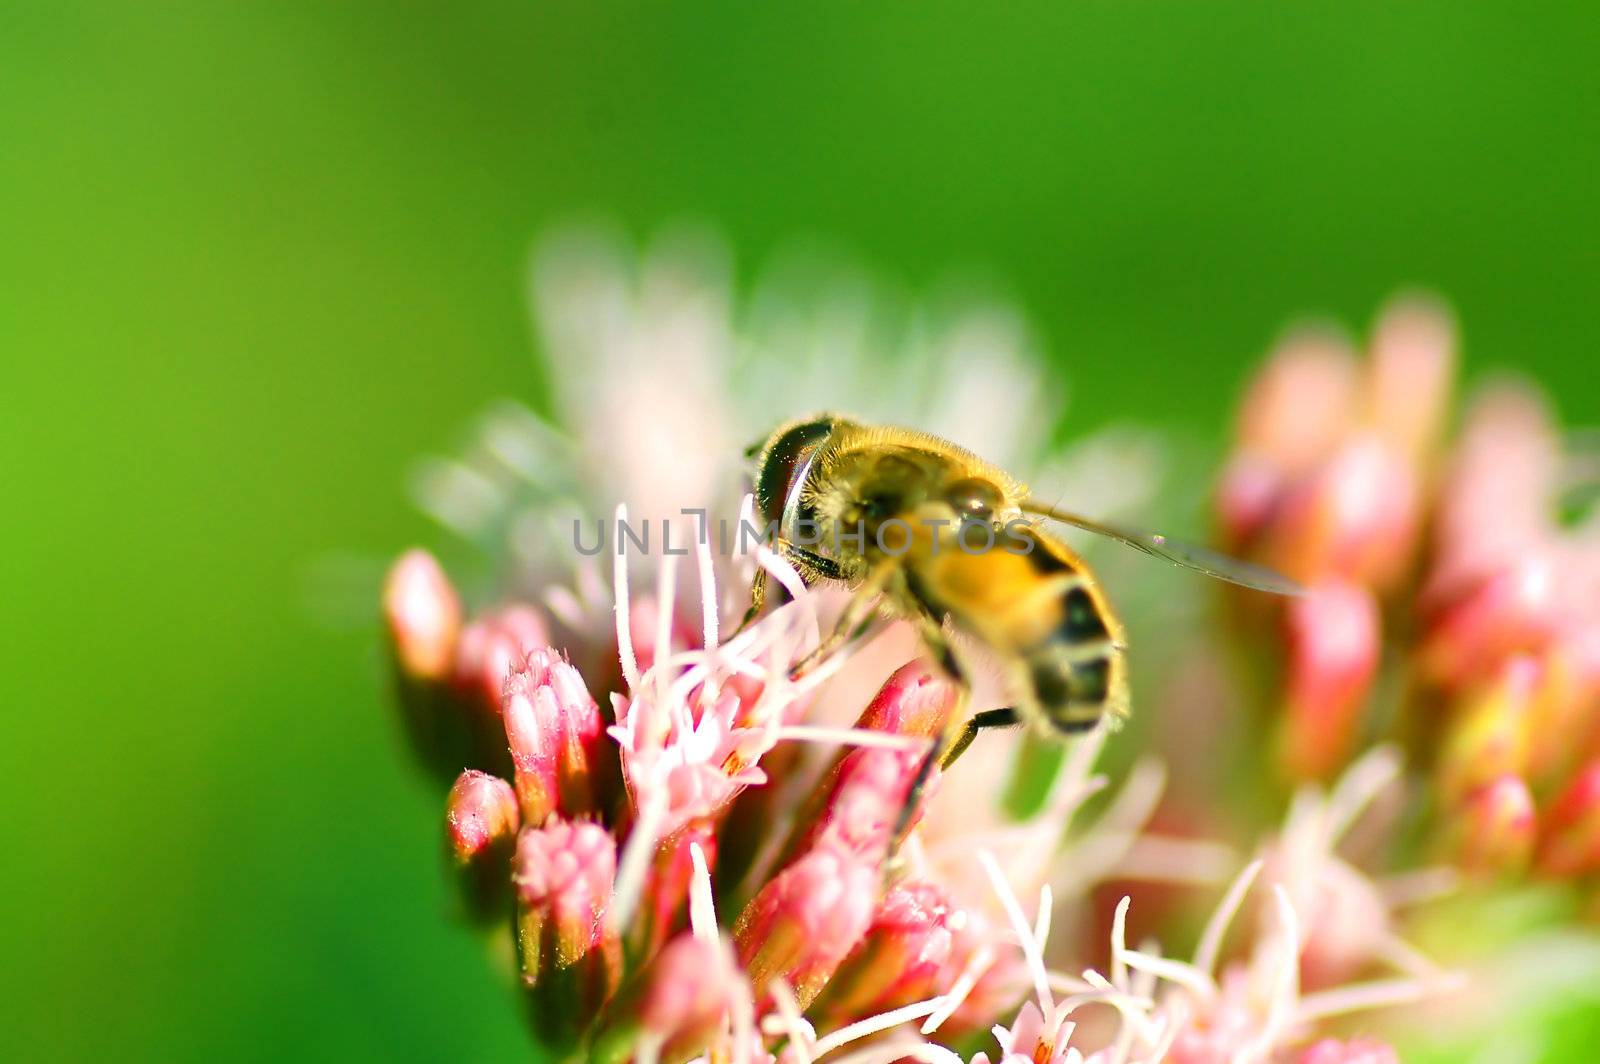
{"x":973,"y":496}
{"x":880,"y":505}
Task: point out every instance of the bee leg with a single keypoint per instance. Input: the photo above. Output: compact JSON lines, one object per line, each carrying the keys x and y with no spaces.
{"x":934,"y":638}
{"x":990,"y":718}
{"x":758,"y":599}
{"x":808,"y":561}
{"x":852,"y":624}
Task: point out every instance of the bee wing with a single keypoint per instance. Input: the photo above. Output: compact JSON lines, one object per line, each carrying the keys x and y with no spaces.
{"x":1188,"y":555}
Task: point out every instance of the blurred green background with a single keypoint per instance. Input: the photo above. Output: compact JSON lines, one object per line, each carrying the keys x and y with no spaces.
{"x":257,"y":258}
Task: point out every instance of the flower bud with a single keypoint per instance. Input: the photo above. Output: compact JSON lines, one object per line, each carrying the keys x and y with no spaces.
{"x":480,"y":813}
{"x":860,"y":801}
{"x":423,"y":615}
{"x":677,"y":1005}
{"x":1302,"y":402}
{"x":563,"y":873}
{"x":1333,"y":635}
{"x":553,"y":730}
{"x":1355,"y":1051}
{"x":1410,"y":374}
{"x":1489,"y":737}
{"x":904,"y":957}
{"x":1570,"y":842}
{"x":806,"y":920}
{"x":1247,"y":496}
{"x":1512,"y":611}
{"x":1355,"y":517}
{"x":492,"y":646}
{"x":1495,"y":827}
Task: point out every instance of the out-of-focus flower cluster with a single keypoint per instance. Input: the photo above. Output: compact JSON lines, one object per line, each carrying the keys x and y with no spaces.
{"x":693,"y":852}
{"x":1452,"y":604}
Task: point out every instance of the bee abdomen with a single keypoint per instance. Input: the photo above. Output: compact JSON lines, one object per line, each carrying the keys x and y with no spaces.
{"x":1074,"y":687}
{"x":1076,"y":672}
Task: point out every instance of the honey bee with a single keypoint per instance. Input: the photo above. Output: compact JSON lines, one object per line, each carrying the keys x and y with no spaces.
{"x":926,"y":531}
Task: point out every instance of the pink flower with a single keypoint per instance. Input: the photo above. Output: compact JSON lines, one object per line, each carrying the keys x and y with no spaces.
{"x":480,"y":813}
{"x":1495,"y":827}
{"x":1333,"y":655}
{"x":423,"y":614}
{"x":553,"y":731}
{"x":806,"y":921}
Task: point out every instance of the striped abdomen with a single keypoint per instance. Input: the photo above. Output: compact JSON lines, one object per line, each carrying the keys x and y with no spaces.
{"x":1043,"y":612}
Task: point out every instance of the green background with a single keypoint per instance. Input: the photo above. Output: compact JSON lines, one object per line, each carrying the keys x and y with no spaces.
{"x":254,"y":259}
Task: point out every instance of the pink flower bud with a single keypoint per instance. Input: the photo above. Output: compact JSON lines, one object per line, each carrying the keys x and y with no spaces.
{"x":1301,"y":403}
{"x":914,"y":700}
{"x":1495,"y":827}
{"x":806,"y":920}
{"x":905,"y":956}
{"x":423,"y":614}
{"x":1355,"y":517}
{"x":1355,"y":1051}
{"x":861,"y":810}
{"x":861,"y":799}
{"x":1514,"y":610}
{"x":563,"y":873}
{"x":678,"y":1005}
{"x":1333,"y":634}
{"x":1410,"y":373}
{"x":553,"y":730}
{"x":492,"y":646}
{"x":1247,"y":496}
{"x":480,"y":813}
{"x":1570,"y":842}
{"x":1489,"y":737}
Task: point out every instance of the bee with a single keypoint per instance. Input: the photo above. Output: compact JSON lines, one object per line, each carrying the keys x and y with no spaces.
{"x":928,"y":532}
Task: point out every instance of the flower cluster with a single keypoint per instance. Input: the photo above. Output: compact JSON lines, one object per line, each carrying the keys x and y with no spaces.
{"x":693,"y":853}
{"x":618,"y":848}
{"x":1490,"y":627}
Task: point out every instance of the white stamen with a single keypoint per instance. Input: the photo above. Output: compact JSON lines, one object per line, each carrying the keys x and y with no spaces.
{"x":634,"y":864}
{"x":1406,"y":958}
{"x":887,"y":1054}
{"x":1281,"y":1003}
{"x":1374,"y":994}
{"x":564,"y":606}
{"x":1019,"y":923}
{"x":1171,"y":859}
{"x":619,"y":581}
{"x":744,"y":1026}
{"x":1119,"y":939}
{"x":791,"y":1022}
{"x":816,"y":733}
{"x":978,"y":964}
{"x":1413,"y":888}
{"x":873,"y":1024}
{"x":1184,"y":975}
{"x":666,"y":602}
{"x":708,"y":591}
{"x":1041,"y":919}
{"x":702,"y":910}
{"x":1173,"y":1023}
{"x":1205,"y":954}
{"x":1361,"y":783}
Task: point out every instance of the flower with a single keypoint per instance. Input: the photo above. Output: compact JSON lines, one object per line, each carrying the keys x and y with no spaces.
{"x":716,"y":859}
{"x":480,"y":812}
{"x":423,"y":614}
